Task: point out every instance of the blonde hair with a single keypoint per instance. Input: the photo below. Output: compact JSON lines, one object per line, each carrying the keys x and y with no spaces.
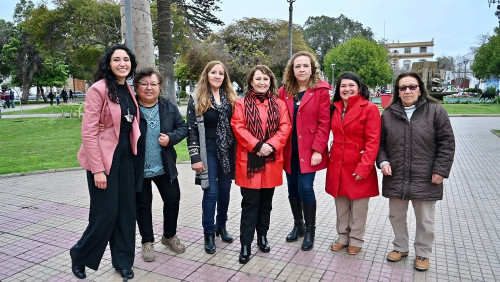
{"x":289,"y":80}
{"x":203,"y":89}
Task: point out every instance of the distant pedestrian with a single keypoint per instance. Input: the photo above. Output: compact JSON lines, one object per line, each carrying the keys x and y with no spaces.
{"x":71,"y":97}
{"x":417,"y":147}
{"x":57,"y":98}
{"x":51,"y":97}
{"x":64,"y":96}
{"x":12,"y":98}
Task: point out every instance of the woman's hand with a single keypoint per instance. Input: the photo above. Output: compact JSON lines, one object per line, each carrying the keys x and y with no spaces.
{"x":316,"y":158}
{"x":265,"y":150}
{"x":164,"y":139}
{"x":386,"y":169}
{"x":357,"y":177}
{"x":100,"y":180}
{"x":437,"y":179}
{"x":198,"y":167}
{"x":101,"y":127}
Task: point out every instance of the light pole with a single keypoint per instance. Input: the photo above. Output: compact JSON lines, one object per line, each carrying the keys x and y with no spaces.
{"x":393,"y":65}
{"x":333,"y":74}
{"x":466,"y":61}
{"x":290,"y":31}
{"x":459,"y":75}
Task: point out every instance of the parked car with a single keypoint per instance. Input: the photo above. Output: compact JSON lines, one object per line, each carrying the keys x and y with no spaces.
{"x":79,"y":94}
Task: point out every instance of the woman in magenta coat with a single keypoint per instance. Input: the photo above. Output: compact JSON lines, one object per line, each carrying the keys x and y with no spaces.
{"x":308,"y":101}
{"x":351,"y":177}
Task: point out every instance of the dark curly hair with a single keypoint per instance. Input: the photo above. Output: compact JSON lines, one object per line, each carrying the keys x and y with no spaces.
{"x":104,"y":71}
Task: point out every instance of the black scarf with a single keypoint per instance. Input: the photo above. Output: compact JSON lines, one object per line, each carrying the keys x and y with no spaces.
{"x":225,"y":136}
{"x":256,"y":164}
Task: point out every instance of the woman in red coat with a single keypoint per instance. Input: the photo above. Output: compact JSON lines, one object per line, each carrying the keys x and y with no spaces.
{"x":308,"y":100}
{"x":261,"y":126}
{"x":351,"y":177}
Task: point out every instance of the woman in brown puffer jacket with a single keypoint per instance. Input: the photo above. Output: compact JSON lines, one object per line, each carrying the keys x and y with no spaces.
{"x":416,"y":153}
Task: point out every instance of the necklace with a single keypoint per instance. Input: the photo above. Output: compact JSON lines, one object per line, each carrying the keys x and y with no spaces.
{"x":128,"y":117}
{"x":152,"y":123}
{"x":300,"y":99}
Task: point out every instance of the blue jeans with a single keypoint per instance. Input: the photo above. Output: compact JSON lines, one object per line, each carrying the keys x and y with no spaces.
{"x":300,"y":185}
{"x":217,"y":193}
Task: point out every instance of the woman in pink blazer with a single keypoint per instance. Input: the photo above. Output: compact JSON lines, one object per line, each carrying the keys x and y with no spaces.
{"x":308,"y":101}
{"x":108,"y":158}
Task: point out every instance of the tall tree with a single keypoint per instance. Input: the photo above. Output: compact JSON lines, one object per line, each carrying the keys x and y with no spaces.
{"x":323,"y":32}
{"x":6,"y":31}
{"x":364,"y":57}
{"x":142,"y":31}
{"x":487,"y":58}
{"x":19,"y":52}
{"x":198,"y":14}
{"x":252,"y":41}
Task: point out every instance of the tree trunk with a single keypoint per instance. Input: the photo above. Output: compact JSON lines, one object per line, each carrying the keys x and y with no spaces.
{"x":165,"y":48}
{"x":142,"y":31}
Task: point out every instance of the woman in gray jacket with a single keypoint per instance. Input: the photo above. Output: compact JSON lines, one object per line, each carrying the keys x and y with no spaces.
{"x":416,"y":153}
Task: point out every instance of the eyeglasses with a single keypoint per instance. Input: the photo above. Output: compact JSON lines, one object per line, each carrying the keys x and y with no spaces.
{"x":145,"y":85}
{"x":412,"y":87}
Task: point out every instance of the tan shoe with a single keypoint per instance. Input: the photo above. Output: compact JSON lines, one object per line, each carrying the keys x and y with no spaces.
{"x":148,"y":252}
{"x":421,"y":263}
{"x":173,"y":244}
{"x":396,"y":255}
{"x":337,"y":247}
{"x":353,"y":250}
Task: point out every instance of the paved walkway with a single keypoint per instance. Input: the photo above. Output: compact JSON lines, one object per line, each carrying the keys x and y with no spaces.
{"x":43,"y":215}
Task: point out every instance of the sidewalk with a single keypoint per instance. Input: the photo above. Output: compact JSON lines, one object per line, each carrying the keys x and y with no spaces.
{"x":43,"y":215}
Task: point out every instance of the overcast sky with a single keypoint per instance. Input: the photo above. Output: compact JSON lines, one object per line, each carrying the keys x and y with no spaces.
{"x":453,"y":24}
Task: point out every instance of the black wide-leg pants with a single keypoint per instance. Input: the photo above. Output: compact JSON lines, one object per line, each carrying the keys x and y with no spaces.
{"x":256,"y":206}
{"x":112,"y":214}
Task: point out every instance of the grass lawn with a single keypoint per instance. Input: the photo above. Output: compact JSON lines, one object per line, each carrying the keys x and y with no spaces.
{"x":472,"y":108}
{"x":46,"y":143}
{"x":70,"y":108}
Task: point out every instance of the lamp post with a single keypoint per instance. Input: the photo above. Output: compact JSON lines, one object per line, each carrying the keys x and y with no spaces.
{"x":290,"y":31}
{"x":459,"y":75}
{"x":333,"y":74}
{"x":393,"y":65}
{"x":466,"y":61}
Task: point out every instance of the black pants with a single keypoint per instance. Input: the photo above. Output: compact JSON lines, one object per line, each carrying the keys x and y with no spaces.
{"x":171,"y":195}
{"x":256,"y":207}
{"x":111,"y":215}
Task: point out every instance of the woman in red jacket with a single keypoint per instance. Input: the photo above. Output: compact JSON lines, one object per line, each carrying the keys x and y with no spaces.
{"x":261,"y":126}
{"x":351,"y":177}
{"x":308,"y":100}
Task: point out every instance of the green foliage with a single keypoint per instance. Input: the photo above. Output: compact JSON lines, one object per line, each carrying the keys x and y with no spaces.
{"x":487,"y":59}
{"x":183,"y":94}
{"x":323,"y":32}
{"x":490,"y":91}
{"x":252,"y":41}
{"x":364,"y":57}
{"x":54,"y":72}
{"x":471,"y":90}
{"x":472,"y":108}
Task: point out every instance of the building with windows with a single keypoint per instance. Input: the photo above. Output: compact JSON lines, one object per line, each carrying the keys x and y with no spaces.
{"x":403,"y":55}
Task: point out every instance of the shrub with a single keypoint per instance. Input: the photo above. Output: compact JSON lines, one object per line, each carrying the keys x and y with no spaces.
{"x":182,"y":94}
{"x":490,"y":91}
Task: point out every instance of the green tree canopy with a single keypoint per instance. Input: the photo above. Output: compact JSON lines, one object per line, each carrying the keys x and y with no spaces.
{"x":365,"y":57}
{"x":487,"y":59}
{"x":323,"y":32}
{"x":253,"y":41}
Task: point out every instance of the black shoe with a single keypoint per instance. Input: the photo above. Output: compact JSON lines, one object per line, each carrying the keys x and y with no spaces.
{"x":263,"y":244}
{"x":210,"y":243}
{"x":224,"y":236}
{"x":245,"y":253}
{"x":126,"y":273}
{"x":79,"y":271}
{"x":297,"y":231}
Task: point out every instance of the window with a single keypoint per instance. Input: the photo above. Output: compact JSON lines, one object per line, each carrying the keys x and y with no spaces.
{"x":423,"y":49}
{"x":406,"y":65}
{"x":407,"y":50}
